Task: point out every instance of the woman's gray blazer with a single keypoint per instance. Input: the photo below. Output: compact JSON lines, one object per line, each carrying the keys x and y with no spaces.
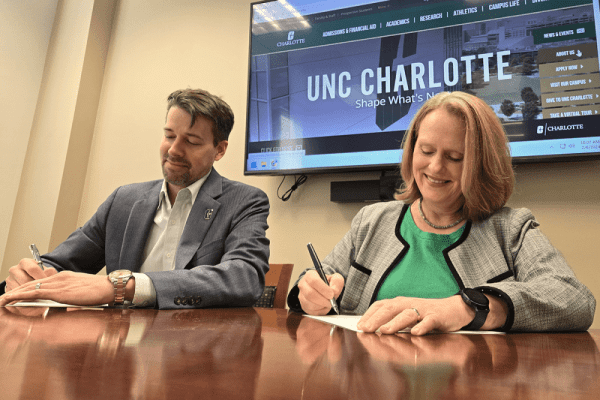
{"x":505,"y":255}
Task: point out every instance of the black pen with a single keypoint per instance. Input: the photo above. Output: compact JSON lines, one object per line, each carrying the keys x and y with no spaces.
{"x":319,"y":268}
{"x":36,"y":255}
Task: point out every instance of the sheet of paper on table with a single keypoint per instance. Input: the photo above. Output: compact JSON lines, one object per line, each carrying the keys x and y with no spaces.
{"x":350,"y":321}
{"x":50,"y":303}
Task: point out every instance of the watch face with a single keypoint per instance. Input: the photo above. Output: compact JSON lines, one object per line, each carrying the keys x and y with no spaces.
{"x":119,"y":273}
{"x":476,"y":297}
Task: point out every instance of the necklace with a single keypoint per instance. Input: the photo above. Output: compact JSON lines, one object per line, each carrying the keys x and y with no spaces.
{"x":458,"y":221}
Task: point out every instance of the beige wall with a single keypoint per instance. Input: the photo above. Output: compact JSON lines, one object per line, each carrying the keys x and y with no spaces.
{"x":23,"y":46}
{"x":158,"y":46}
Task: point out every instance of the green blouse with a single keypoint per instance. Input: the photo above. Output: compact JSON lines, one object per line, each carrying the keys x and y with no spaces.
{"x":423,"y":271}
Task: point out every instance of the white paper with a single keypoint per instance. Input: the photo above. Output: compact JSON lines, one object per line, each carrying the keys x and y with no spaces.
{"x":344,"y":321}
{"x":350,"y":321}
{"x":49,"y":303}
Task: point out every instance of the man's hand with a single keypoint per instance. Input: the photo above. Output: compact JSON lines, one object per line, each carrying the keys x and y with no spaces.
{"x":26,"y":271}
{"x":393,"y":315}
{"x":314,"y":294}
{"x":64,"y":287}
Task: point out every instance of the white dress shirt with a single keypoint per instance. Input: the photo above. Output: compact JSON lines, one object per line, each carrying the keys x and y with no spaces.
{"x":163,"y":240}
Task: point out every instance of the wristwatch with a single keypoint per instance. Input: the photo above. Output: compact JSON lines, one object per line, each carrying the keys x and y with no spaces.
{"x":480,"y":304}
{"x":119,"y":280}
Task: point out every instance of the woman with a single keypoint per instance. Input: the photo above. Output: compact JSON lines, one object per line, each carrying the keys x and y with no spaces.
{"x":448,"y":255}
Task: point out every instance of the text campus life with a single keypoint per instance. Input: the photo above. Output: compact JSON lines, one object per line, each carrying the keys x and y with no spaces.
{"x":329,"y":86}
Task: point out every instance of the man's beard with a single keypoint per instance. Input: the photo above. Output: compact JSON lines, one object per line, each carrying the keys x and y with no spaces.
{"x":182,"y":180}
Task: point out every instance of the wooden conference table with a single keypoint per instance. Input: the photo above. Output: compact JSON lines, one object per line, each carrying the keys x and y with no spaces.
{"x":257,"y":353}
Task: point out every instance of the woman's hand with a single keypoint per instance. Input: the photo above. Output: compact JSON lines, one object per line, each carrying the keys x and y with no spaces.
{"x":314,"y":294}
{"x":404,"y":348}
{"x":425,"y":315}
{"x":420,"y":315}
{"x":314,"y":338}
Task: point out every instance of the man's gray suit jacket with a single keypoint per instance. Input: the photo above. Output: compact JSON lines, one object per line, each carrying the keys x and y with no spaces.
{"x":222,"y":256}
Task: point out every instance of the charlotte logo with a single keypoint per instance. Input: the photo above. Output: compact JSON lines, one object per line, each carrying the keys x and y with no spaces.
{"x":543,"y":129}
{"x":290,"y":40}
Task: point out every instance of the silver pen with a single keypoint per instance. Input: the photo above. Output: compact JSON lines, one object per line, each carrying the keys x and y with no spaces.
{"x":36,"y":255}
{"x":319,"y":268}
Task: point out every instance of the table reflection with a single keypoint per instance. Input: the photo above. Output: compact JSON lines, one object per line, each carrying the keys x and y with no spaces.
{"x":112,"y":353}
{"x":48,"y":353}
{"x":346,"y":364}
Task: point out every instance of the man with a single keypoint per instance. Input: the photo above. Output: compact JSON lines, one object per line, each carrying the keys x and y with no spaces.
{"x":194,"y":239}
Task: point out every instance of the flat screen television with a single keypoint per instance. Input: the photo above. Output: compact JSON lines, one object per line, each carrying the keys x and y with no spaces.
{"x":333,"y":84}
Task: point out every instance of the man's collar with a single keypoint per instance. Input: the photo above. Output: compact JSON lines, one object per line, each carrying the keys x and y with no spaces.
{"x":194,"y":189}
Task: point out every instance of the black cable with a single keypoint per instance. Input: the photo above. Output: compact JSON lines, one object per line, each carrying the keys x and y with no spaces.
{"x":286,"y":196}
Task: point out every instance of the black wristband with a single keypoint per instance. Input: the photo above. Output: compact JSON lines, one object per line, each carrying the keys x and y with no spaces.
{"x":479,"y":303}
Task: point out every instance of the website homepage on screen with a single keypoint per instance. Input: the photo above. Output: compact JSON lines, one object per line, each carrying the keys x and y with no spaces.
{"x":335,"y":89}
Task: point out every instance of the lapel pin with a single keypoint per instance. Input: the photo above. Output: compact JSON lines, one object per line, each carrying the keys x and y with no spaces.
{"x":208,"y":213}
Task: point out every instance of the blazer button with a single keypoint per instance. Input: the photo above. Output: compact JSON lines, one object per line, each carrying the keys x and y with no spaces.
{"x":177,"y":300}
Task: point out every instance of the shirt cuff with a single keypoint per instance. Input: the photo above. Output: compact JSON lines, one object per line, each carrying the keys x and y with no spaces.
{"x":145,"y":294}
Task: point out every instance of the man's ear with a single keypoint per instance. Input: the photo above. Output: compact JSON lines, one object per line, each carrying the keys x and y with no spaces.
{"x":221,"y":149}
